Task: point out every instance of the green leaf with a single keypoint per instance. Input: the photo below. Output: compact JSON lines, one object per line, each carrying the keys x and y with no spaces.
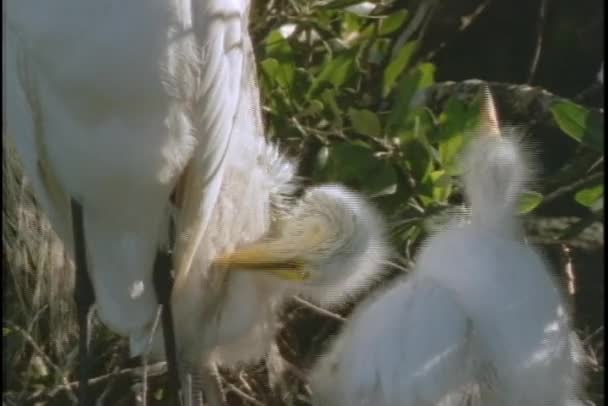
{"x":336,"y":71}
{"x":329,"y":99}
{"x":356,"y":166}
{"x":392,"y":23}
{"x":529,"y":201}
{"x":452,"y":119}
{"x":449,"y":149}
{"x":351,"y":22}
{"x":442,"y":185}
{"x":397,"y":65}
{"x":314,"y":107}
{"x":589,"y":196}
{"x":419,"y":123}
{"x":279,"y":73}
{"x":365,"y":122}
{"x":456,"y":122}
{"x":276,"y":46}
{"x":418,"y":159}
{"x":585,"y":126}
{"x":416,"y":80}
{"x":458,"y":118}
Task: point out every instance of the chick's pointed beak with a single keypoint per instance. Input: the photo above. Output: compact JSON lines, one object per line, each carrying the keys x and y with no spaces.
{"x":489,"y":116}
{"x":265,"y":257}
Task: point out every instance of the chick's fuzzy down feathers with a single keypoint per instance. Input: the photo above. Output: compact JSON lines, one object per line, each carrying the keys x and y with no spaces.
{"x":479,"y":321}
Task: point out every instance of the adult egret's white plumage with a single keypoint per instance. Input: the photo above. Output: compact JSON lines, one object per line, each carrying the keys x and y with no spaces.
{"x":109,"y":103}
{"x":131,"y":114}
{"x":479,"y":321}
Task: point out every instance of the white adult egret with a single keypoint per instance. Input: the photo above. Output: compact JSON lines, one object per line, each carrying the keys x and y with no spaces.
{"x":115,"y":107}
{"x":111,"y":105}
{"x":479,"y":321}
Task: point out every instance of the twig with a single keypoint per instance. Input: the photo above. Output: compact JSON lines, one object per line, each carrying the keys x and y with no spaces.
{"x":146,"y":353}
{"x":318,"y":309}
{"x":561,"y":191}
{"x":542,"y":12}
{"x":397,"y":266}
{"x":101,"y":399}
{"x":591,"y":336}
{"x":425,"y":8}
{"x":42,"y":354}
{"x":521,"y":99}
{"x":212,"y":387}
{"x":238,"y":391}
{"x":153,"y":370}
{"x":568,"y":269}
{"x":466,"y":22}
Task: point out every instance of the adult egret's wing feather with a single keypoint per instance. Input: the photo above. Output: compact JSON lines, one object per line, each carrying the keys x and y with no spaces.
{"x":219,"y":29}
{"x":23,"y":125}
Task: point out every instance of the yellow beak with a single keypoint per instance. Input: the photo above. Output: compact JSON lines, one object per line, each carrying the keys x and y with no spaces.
{"x":262,"y":257}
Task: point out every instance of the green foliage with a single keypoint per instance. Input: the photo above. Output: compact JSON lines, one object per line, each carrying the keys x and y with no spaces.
{"x":397,"y":66}
{"x":338,"y":81}
{"x":582,"y":124}
{"x":365,"y":122}
{"x":589,"y":197}
{"x":529,"y":201}
{"x":355,"y":165}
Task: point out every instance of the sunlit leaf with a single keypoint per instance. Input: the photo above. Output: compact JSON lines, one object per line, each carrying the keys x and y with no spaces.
{"x":586,"y":126}
{"x":442,"y":185}
{"x":277,"y":46}
{"x":529,"y":201}
{"x":281,"y":74}
{"x":397,"y":66}
{"x":449,"y":150}
{"x":416,"y":80}
{"x":365,"y":122}
{"x":589,"y":196}
{"x":392,"y":22}
{"x":452,"y":119}
{"x":336,"y":71}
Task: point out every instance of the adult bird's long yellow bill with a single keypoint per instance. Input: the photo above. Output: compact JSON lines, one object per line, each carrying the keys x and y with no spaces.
{"x":262,"y":257}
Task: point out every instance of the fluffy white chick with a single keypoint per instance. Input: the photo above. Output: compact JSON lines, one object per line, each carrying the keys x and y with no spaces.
{"x":479,"y":321}
{"x":327,"y":246}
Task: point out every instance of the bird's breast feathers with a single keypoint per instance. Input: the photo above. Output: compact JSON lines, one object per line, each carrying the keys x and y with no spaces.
{"x":102,"y":70}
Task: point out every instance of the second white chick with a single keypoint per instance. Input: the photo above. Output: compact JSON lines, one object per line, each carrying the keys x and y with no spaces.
{"x":480,"y":321}
{"x":327,"y":247}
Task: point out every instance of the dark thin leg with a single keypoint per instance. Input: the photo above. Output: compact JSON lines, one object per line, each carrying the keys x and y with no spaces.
{"x":84,"y":297}
{"x":163,"y":284}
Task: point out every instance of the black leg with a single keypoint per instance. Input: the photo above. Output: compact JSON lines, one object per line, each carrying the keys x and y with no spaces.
{"x":163,"y":284}
{"x":84,"y":297}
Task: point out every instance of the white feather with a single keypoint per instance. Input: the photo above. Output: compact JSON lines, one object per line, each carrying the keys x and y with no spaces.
{"x":127,"y":96}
